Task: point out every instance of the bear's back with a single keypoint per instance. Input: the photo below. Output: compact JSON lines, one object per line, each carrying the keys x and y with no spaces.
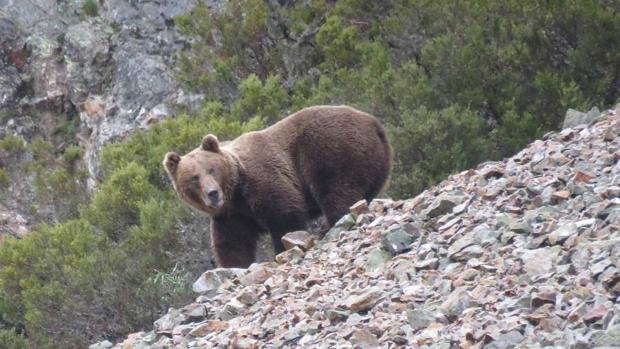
{"x":321,"y":124}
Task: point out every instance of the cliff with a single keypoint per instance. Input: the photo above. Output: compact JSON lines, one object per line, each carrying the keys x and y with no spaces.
{"x":74,"y":75}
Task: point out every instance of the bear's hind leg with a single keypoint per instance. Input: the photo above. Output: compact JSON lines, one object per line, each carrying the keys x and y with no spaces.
{"x":234,"y":241}
{"x":335,"y":201}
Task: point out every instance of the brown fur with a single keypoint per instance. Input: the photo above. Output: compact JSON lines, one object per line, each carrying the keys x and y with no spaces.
{"x":320,"y":160}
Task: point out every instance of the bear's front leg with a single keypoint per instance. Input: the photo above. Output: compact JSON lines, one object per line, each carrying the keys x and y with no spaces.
{"x":234,"y":241}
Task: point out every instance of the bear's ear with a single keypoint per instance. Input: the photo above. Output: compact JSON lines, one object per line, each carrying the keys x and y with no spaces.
{"x":171,"y":161}
{"x":210,"y":143}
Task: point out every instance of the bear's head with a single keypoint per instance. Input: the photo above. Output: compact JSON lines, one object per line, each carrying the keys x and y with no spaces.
{"x":203,"y":177}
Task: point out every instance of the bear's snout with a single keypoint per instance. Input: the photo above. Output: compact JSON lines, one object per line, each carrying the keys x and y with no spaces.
{"x":214,"y":196}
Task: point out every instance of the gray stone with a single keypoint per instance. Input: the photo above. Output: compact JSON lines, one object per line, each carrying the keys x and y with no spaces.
{"x":456,"y":303}
{"x":294,"y":255}
{"x":359,"y":208}
{"x":346,"y":222}
{"x":506,"y":340}
{"x":574,"y":117}
{"x":343,"y":224}
{"x":507,"y":237}
{"x":444,"y":203}
{"x":364,"y":301}
{"x":519,"y":227}
{"x":484,"y":235}
{"x":431,"y":263}
{"x":257,"y":274}
{"x":559,"y":235}
{"x":10,"y":31}
{"x":101,"y":345}
{"x":207,"y":327}
{"x":211,"y":280}
{"x":599,"y":267}
{"x":376,"y":258}
{"x":231,"y":310}
{"x":336,"y":315}
{"x":195,"y":311}
{"x":182,"y":330}
{"x":471,"y":251}
{"x":168,"y":322}
{"x":364,"y":339}
{"x":419,"y":318}
{"x":609,"y":338}
{"x":468,"y":246}
{"x":540,"y":261}
{"x":397,"y":241}
{"x":332,"y":234}
{"x":300,"y":238}
{"x":460,"y":244}
{"x":439,"y":207}
{"x":585,"y":223}
{"x":441,"y":345}
{"x":247,"y":296}
{"x":612,"y":192}
{"x":47,"y":73}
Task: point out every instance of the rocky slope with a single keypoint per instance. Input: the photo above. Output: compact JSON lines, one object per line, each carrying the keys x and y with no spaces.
{"x":523,"y":253}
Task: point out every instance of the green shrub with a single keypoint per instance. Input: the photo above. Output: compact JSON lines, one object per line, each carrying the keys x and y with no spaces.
{"x":6,"y":114}
{"x":60,"y":38}
{"x":257,"y":100}
{"x":175,"y":281}
{"x":42,"y":272}
{"x":338,"y":43}
{"x":4,"y":179}
{"x":90,"y":8}
{"x":12,"y":144}
{"x":242,"y":48}
{"x":430,"y":145}
{"x":71,"y":154}
{"x":516,"y":130}
{"x":58,"y":176}
{"x":116,"y":206}
{"x":42,"y":150}
{"x":11,"y":340}
{"x":68,"y":128}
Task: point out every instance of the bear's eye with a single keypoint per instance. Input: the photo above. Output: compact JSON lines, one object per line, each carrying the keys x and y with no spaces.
{"x":196,"y":178}
{"x":211,"y":170}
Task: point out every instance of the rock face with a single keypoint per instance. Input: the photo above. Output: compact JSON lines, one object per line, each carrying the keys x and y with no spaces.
{"x":515,"y":269}
{"x":109,"y":74}
{"x":121,"y":60}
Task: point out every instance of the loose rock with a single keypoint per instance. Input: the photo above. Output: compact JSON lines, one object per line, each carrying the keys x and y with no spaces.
{"x":300,"y":238}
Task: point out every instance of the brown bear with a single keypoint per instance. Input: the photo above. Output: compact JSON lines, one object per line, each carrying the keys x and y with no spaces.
{"x":320,"y":160}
